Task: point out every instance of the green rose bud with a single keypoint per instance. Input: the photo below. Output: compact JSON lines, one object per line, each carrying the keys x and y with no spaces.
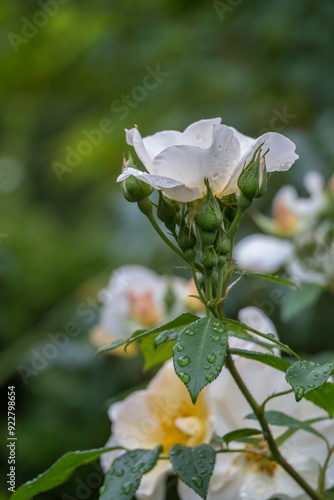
{"x":207,"y":238}
{"x":209,"y":216}
{"x":133,"y":188}
{"x":186,"y":237}
{"x":209,"y":258}
{"x":253,"y":179}
{"x":223,"y":244}
{"x":167,"y":209}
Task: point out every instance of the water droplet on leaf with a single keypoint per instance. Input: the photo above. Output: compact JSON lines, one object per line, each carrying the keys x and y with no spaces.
{"x":210,"y":377}
{"x":184,"y":377}
{"x":126,"y":488}
{"x":190,"y":333}
{"x":212,"y":358}
{"x":184,"y":361}
{"x":197,"y":480}
{"x":300,"y":393}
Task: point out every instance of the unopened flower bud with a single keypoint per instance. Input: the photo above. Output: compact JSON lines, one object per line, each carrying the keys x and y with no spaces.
{"x":253,"y":179}
{"x":167,"y":209}
{"x":207,"y":238}
{"x":133,"y":188}
{"x":209,"y":216}
{"x":186,"y":237}
{"x":223,"y":244}
{"x":209,"y":258}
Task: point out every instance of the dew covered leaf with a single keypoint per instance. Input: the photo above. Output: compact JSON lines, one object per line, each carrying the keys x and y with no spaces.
{"x":305,"y":376}
{"x":58,"y":473}
{"x":177,"y":323}
{"x":166,"y":336}
{"x":155,"y":355}
{"x":199,"y":354}
{"x":124,"y":476}
{"x":194,"y":466}
{"x":323,"y":397}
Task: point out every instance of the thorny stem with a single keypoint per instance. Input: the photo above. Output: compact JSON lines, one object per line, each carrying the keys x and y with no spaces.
{"x":259,"y":412}
{"x":146,"y":209}
{"x":220,"y":282}
{"x":198,"y":287}
{"x":208,"y":292}
{"x":257,"y":409}
{"x":234,"y":226}
{"x":275,"y":395}
{"x":322,"y":474}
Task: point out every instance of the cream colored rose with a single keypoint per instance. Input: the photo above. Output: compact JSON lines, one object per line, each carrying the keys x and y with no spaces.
{"x":178,"y":163}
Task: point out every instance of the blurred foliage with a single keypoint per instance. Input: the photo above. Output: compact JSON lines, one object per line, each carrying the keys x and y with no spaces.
{"x":60,"y":240}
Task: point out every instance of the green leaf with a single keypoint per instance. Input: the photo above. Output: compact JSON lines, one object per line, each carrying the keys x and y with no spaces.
{"x":249,"y":338}
{"x":155,"y":355}
{"x":238,"y":435}
{"x":178,"y":323}
{"x":123,"y":478}
{"x":305,"y":376}
{"x":283,"y":420}
{"x":274,"y":279}
{"x":166,"y":336}
{"x":58,"y":473}
{"x":268,"y":359}
{"x":194,"y":466}
{"x":323,"y":397}
{"x":110,"y":347}
{"x":329,"y":494}
{"x":270,"y":336}
{"x":297,"y":302}
{"x":199,"y":354}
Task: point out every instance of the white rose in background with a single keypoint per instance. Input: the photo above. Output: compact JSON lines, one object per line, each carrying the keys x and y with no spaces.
{"x":164,"y":414}
{"x":259,"y":253}
{"x":161,"y":414}
{"x":305,"y":246}
{"x":292,"y":214}
{"x":138,"y":298}
{"x":177,"y":163}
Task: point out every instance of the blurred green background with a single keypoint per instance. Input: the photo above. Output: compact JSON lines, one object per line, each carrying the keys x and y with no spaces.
{"x":68,"y":64}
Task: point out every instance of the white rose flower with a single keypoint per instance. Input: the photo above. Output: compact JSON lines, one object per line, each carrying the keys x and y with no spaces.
{"x":292,"y":213}
{"x":164,"y":414}
{"x":177,"y":163}
{"x":161,"y":414}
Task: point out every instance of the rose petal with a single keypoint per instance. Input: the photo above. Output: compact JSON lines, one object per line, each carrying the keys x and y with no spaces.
{"x":156,"y":143}
{"x":281,"y":153}
{"x":199,"y":133}
{"x":245,"y":142}
{"x":133,"y":138}
{"x":191,"y":165}
{"x":176,"y":190}
{"x":106,"y":459}
{"x":153,"y":484}
{"x":262,"y":254}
